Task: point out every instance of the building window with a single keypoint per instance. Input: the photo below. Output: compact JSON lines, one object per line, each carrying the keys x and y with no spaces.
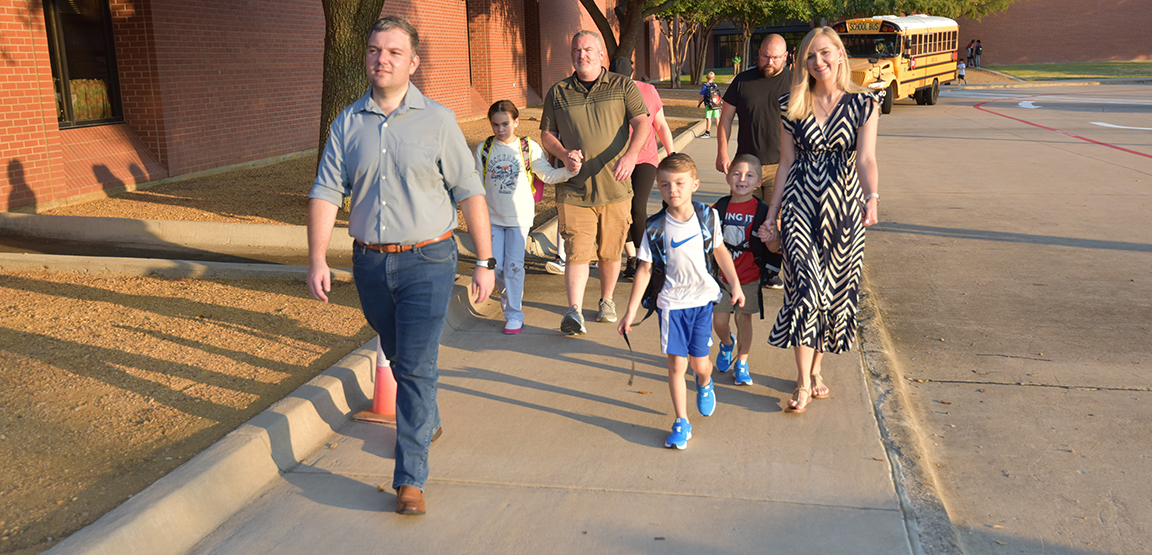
{"x":83,"y":61}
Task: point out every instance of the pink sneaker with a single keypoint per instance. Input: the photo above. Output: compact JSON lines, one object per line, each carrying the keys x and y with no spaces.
{"x":513,"y":327}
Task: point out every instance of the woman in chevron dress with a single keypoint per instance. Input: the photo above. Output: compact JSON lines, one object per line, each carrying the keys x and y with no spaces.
{"x":825,"y":194}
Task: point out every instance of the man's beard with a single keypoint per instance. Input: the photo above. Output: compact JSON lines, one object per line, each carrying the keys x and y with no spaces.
{"x":766,"y":71}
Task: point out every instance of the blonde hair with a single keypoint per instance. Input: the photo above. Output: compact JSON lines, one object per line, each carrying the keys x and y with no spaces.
{"x":678,"y":162}
{"x":800,"y":98}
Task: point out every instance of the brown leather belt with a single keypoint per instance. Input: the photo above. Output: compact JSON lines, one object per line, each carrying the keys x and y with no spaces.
{"x":393,"y":248}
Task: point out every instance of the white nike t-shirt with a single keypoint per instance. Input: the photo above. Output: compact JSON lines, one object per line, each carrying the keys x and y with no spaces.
{"x":688,"y":284}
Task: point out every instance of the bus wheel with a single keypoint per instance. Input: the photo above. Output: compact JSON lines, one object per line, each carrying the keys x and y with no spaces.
{"x":889,"y":96}
{"x":919,"y":96}
{"x":931,"y":96}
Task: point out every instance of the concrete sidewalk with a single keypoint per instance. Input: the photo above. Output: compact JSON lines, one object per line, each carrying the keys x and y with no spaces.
{"x":546,"y":449}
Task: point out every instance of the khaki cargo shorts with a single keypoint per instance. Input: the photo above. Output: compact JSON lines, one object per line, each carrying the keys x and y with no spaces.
{"x":594,"y":232}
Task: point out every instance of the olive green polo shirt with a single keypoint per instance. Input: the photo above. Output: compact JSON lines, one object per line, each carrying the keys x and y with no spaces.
{"x":595,"y":121}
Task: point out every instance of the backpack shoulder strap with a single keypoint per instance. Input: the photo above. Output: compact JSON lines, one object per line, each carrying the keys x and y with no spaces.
{"x":761,"y":213}
{"x":654,"y":229}
{"x":526,"y":155}
{"x":707,"y":219}
{"x":484,"y":152}
{"x":722,"y":207}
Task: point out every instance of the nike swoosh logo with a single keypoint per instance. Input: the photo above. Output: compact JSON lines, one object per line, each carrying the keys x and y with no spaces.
{"x":677,"y":244}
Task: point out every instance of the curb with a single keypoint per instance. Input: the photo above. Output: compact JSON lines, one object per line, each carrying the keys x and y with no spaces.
{"x":930,"y":529}
{"x":98,"y":265}
{"x":179,"y":510}
{"x":225,"y":238}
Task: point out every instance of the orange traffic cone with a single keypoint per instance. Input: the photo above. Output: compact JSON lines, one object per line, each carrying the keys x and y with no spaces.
{"x":384,"y":395}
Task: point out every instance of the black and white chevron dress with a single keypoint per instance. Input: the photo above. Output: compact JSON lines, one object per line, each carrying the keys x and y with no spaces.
{"x":822,"y":230}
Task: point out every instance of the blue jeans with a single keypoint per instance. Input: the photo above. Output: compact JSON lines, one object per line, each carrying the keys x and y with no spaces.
{"x":405,"y":299}
{"x":508,"y":249}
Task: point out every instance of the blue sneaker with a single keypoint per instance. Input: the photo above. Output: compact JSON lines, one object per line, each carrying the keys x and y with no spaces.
{"x":706,"y":398}
{"x":742,"y":377}
{"x":681,"y":433}
{"x":724,"y":359}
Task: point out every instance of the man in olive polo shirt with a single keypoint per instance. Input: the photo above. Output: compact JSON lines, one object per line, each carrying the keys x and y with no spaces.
{"x":587,"y":116}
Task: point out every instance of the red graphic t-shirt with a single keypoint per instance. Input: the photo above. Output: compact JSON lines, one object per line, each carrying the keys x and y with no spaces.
{"x":736,"y":226}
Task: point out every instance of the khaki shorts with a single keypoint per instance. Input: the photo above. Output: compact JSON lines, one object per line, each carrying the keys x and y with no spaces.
{"x":750,"y":305}
{"x":594,"y":232}
{"x":768,"y":181}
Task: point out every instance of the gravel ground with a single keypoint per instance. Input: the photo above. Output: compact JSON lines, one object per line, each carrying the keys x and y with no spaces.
{"x":115,"y":381}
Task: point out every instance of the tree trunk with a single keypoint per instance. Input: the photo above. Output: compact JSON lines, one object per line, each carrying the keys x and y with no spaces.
{"x":745,"y":44}
{"x":703,"y":31}
{"x":346,"y":24}
{"x":603,"y":26}
{"x":630,"y":27}
{"x":630,"y":15}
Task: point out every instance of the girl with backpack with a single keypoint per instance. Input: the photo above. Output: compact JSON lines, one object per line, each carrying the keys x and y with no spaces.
{"x":514,"y":170}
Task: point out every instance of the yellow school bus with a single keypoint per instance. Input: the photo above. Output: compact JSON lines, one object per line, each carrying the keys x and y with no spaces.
{"x":907,"y":56}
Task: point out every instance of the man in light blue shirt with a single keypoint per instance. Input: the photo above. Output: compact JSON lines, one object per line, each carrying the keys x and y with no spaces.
{"x":402,"y":158}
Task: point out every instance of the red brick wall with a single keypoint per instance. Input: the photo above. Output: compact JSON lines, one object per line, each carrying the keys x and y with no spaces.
{"x":139,"y":77}
{"x":1045,"y":31}
{"x":443,"y":71}
{"x":237,"y":81}
{"x":29,"y":138}
{"x":657,"y":61}
{"x":497,"y":45}
{"x":559,"y":20}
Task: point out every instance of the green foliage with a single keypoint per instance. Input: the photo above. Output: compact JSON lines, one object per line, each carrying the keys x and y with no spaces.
{"x":972,"y":9}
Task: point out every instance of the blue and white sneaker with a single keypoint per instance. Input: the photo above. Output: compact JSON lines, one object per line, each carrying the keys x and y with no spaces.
{"x":681,"y":433}
{"x":742,"y":377}
{"x":706,"y":398}
{"x":724,"y":359}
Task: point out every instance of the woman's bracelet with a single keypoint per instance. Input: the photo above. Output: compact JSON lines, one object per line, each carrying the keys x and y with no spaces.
{"x":869,"y":196}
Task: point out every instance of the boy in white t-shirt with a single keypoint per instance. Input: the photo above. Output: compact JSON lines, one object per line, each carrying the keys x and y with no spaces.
{"x":960,"y":67}
{"x":679,"y":240}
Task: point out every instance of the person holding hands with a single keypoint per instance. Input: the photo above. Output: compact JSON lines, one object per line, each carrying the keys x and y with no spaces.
{"x":680,"y":242}
{"x":826,"y":194}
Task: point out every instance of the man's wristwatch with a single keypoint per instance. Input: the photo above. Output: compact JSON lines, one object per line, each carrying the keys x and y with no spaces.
{"x":490,"y":263}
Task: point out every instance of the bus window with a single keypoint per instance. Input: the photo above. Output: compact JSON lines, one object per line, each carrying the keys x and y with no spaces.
{"x":867,"y":46}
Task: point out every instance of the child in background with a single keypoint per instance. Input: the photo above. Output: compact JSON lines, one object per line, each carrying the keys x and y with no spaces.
{"x":738,"y":220}
{"x":710,"y":98}
{"x":679,"y":239}
{"x":960,"y":67}
{"x":508,"y":163}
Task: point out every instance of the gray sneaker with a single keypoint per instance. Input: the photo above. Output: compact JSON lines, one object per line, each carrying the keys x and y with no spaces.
{"x":607,"y":311}
{"x":555,"y":267}
{"x":573,"y":322}
{"x":774,"y":282}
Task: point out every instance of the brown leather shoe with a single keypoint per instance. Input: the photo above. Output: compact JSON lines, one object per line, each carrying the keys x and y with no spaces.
{"x":409,"y":500}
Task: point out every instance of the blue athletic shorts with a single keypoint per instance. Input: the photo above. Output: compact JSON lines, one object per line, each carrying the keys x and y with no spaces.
{"x":686,"y":332}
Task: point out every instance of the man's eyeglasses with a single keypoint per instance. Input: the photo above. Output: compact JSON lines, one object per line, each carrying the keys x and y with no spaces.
{"x":780,"y":57}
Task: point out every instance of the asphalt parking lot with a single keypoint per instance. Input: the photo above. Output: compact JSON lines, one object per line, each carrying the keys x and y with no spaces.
{"x":1011,"y":265}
